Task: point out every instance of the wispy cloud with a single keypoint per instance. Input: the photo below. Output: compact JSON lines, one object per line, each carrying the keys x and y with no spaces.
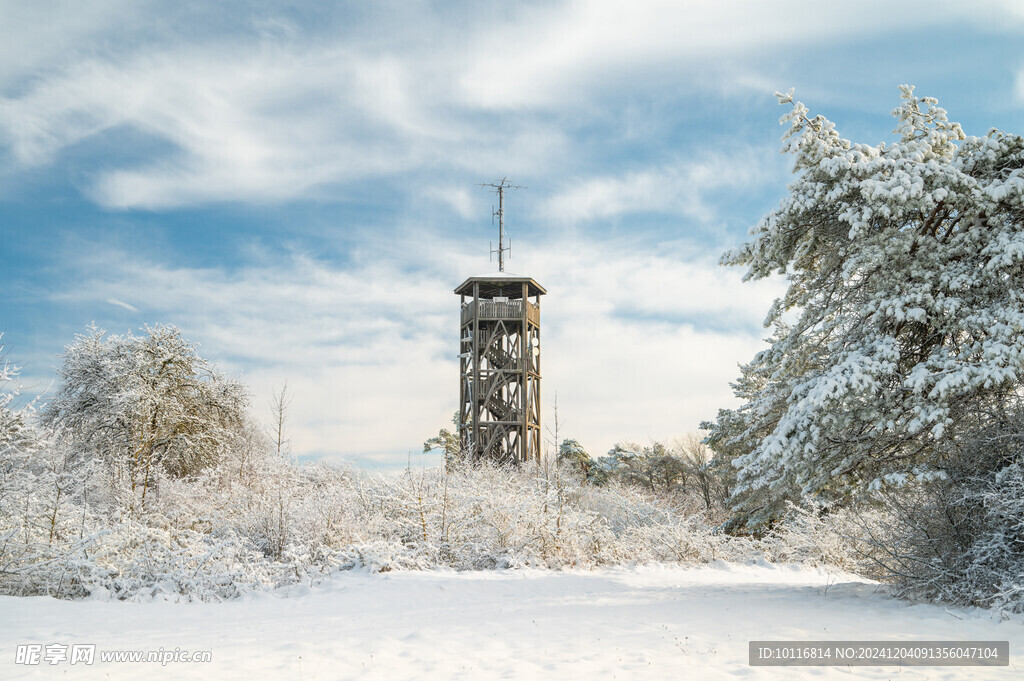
{"x":121,"y":303}
{"x":254,"y":123}
{"x":247,"y":124}
{"x":1019,"y":85}
{"x":556,"y":53}
{"x":676,"y":189}
{"x":276,"y":108}
{"x":36,"y":36}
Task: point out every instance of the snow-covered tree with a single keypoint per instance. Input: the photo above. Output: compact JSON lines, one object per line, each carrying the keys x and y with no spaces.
{"x":656,"y":468}
{"x":448,"y":442}
{"x":703,"y":470}
{"x":902,"y":329}
{"x":573,"y":453}
{"x":12,"y":423}
{"x":145,"y":403}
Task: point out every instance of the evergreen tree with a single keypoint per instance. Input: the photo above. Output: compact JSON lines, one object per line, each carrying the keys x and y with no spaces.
{"x":901,"y":329}
{"x":572,"y":452}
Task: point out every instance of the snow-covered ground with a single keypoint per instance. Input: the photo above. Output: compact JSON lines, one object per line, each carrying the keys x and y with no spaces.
{"x":623,"y":623}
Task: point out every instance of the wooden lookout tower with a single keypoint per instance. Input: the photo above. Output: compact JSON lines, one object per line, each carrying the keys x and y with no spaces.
{"x":499,"y":363}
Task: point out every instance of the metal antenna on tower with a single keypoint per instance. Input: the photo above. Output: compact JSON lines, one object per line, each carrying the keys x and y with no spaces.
{"x":500,"y":188}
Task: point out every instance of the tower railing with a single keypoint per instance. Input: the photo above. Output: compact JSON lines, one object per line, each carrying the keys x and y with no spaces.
{"x":509,"y":309}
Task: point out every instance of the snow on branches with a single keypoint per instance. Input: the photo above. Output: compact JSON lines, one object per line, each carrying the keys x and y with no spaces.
{"x":902,"y":324}
{"x":145,"y":403}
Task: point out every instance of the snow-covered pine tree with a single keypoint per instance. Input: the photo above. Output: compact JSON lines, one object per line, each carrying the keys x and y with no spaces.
{"x":902,"y":329}
{"x":572,"y":452}
{"x":12,"y":425}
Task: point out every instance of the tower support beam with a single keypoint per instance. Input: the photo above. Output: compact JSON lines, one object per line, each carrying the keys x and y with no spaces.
{"x":499,"y":361}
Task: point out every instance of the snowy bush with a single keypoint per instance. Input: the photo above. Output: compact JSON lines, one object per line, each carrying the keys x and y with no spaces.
{"x":145,"y":404}
{"x":234,"y":530}
{"x":960,"y":539}
{"x":994,"y":574}
{"x":817,"y":534}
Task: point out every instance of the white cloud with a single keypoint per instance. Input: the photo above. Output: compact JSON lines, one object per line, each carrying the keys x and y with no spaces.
{"x":676,"y":189}
{"x":256,"y":123}
{"x":641,"y":343}
{"x":121,"y":303}
{"x":1014,"y":9}
{"x":459,"y":199}
{"x":219,"y":108}
{"x":1019,"y":85}
{"x":552,"y":54}
{"x":35,"y":36}
{"x":637,"y":343}
{"x":273,"y":109}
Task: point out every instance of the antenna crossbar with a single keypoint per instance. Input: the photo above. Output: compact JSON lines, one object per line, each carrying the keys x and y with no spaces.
{"x":499,"y":189}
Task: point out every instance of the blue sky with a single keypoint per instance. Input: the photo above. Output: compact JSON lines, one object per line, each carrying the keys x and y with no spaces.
{"x":295,"y":186}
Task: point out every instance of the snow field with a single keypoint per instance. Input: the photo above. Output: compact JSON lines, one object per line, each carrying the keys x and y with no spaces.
{"x":651,"y":622}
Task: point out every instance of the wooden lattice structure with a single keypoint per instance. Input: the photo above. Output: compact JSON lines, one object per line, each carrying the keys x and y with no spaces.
{"x":499,"y":368}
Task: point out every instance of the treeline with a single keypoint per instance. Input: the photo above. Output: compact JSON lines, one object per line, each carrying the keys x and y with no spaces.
{"x":685,"y":472}
{"x":143,"y":477}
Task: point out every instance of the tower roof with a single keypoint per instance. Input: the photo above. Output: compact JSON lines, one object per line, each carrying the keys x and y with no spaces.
{"x":501,"y":284}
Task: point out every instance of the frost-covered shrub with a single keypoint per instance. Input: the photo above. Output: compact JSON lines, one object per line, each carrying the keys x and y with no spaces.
{"x":136,"y":561}
{"x":492,"y":517}
{"x":269,"y":523}
{"x":816,"y":534}
{"x":994,"y":575}
{"x":959,"y":540}
{"x":482,"y":517}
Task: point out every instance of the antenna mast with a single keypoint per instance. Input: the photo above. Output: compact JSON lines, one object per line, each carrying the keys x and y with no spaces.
{"x":499,"y":189}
